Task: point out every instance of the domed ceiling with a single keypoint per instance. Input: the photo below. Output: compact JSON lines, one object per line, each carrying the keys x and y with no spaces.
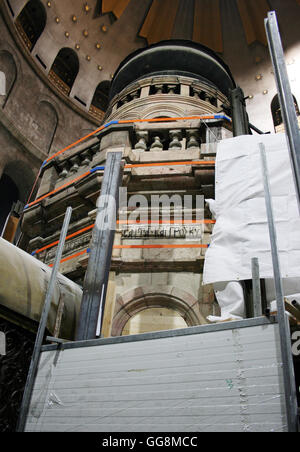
{"x":103,"y":32}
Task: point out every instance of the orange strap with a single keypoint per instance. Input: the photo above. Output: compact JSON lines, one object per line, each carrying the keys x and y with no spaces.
{"x":126,"y":247}
{"x":200,"y":162}
{"x":128,"y":222}
{"x":130,"y":121}
{"x":58,"y":189}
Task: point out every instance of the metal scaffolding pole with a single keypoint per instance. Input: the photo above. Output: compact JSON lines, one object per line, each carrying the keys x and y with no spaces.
{"x":284,"y":327}
{"x":285,"y":96}
{"x":42,"y":326}
{"x":97,"y":274}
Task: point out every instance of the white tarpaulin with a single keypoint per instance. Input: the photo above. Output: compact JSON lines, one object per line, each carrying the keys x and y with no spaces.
{"x":241,"y":230}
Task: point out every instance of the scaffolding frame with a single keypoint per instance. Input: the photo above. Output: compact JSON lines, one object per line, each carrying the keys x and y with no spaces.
{"x":111,"y":185}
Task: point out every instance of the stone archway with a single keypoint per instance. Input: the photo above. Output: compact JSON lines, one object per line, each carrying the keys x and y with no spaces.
{"x":9,"y":68}
{"x":139,"y":299}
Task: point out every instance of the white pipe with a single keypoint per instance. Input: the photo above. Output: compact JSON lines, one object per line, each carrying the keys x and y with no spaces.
{"x":23,"y":285}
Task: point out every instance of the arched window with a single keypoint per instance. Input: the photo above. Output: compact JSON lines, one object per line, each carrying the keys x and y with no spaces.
{"x":31,"y":22}
{"x":64,"y":70}
{"x":8,"y":75}
{"x":277,"y":115}
{"x":100,"y":100}
{"x":9,"y":194}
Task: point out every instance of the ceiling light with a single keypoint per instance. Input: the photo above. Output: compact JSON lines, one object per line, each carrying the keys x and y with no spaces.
{"x":86,"y":8}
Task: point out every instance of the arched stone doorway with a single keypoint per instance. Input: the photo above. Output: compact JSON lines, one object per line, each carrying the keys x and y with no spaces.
{"x":154,"y":319}
{"x":146,"y":309}
{"x":9,"y":194}
{"x":15,"y":185}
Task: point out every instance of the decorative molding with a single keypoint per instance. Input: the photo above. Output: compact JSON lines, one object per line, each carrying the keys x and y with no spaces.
{"x":136,"y":300}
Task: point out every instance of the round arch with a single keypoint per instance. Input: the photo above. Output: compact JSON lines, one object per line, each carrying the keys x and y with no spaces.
{"x":9,"y":194}
{"x":168,"y":297}
{"x":64,"y":69}
{"x":9,"y":68}
{"x":276,"y":110}
{"x":22,"y":176}
{"x":31,"y":22}
{"x":101,"y":96}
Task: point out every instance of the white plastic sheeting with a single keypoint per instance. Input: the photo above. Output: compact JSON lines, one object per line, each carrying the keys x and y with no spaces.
{"x":224,"y":378}
{"x":241,"y":230}
{"x":230,"y":297}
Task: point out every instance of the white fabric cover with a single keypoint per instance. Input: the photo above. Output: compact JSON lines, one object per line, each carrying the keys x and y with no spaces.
{"x":230,"y":297}
{"x":241,"y":230}
{"x":290,"y":286}
{"x":273,"y":305}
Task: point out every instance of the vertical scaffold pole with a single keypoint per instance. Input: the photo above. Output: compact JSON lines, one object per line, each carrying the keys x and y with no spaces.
{"x":239,"y":114}
{"x":284,"y":327}
{"x":97,"y":274}
{"x":257,"y":302}
{"x":285,"y":96}
{"x":42,"y":326}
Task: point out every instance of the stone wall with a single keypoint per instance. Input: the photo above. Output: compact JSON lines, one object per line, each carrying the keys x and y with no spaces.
{"x":34,"y":120}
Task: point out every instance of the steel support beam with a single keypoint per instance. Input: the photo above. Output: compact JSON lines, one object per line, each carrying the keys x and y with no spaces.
{"x":42,"y":326}
{"x":257,"y":301}
{"x":285,"y":96}
{"x":284,"y":327}
{"x":97,"y":274}
{"x":239,"y":115}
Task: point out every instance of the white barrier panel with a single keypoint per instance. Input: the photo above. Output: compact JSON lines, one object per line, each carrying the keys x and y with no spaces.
{"x":210,"y":378}
{"x":241,"y":230}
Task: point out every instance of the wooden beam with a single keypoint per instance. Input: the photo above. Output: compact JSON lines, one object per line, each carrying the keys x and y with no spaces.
{"x":117,"y":7}
{"x":291,"y":309}
{"x":253,"y":13}
{"x":11,"y":228}
{"x":207,"y":24}
{"x":109,"y":305}
{"x":159,"y":23}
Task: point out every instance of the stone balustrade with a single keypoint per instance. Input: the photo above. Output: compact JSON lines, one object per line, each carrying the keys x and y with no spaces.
{"x":178,"y":86}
